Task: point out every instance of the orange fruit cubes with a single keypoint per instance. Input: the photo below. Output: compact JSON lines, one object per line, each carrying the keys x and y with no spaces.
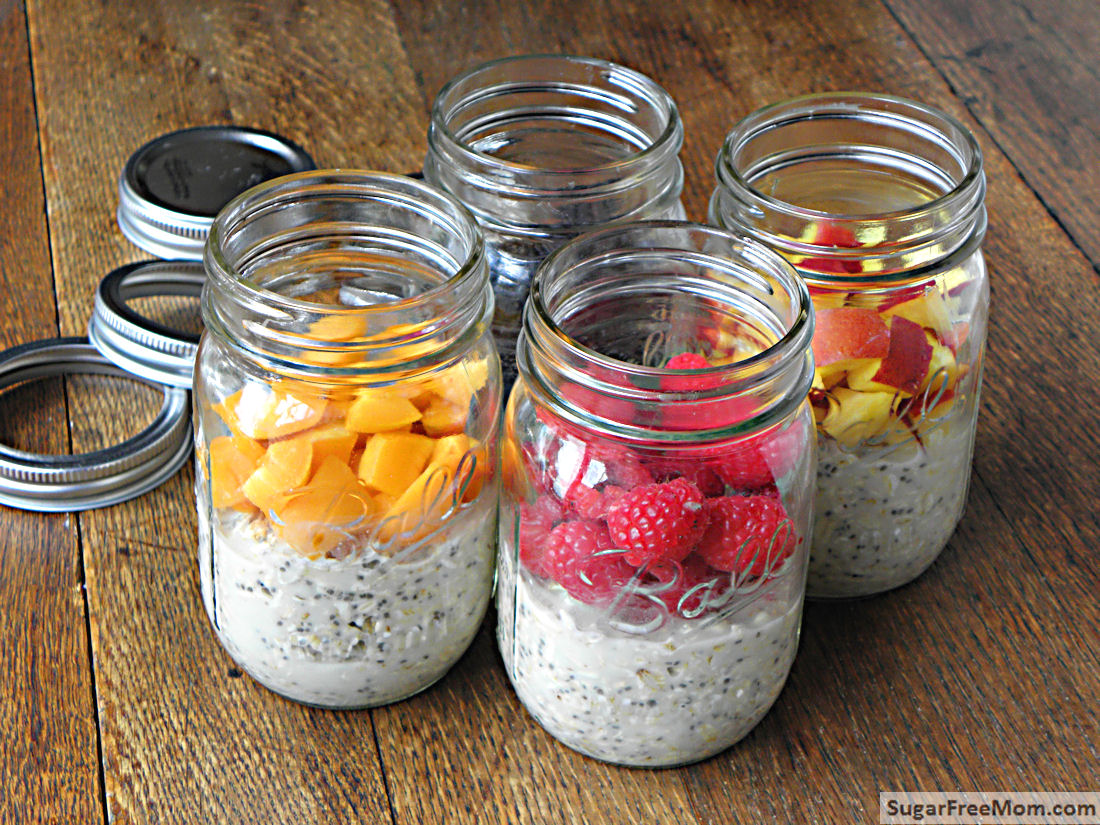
{"x":388,"y":463}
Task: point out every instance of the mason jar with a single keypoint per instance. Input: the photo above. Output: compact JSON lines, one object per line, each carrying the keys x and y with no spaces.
{"x":543,"y":148}
{"x":347,"y":396}
{"x":879,"y":204}
{"x":656,"y":508}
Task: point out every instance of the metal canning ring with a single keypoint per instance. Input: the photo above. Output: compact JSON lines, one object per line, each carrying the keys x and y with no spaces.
{"x":68,"y":483}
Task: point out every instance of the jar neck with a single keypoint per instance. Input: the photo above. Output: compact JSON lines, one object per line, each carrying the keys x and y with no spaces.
{"x":554,"y":145}
{"x":345,"y":275}
{"x":607,"y":312}
{"x":854,"y":188}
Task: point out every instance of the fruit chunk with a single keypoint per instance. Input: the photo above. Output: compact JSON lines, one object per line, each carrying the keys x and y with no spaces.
{"x":857,"y":415}
{"x":441,"y":417}
{"x":749,"y":536}
{"x":657,"y":521}
{"x":929,"y":310}
{"x":324,"y":512}
{"x":261,"y":412}
{"x":942,"y":364}
{"x":421,"y":507}
{"x":905,"y":365}
{"x":377,"y":411}
{"x":847,"y":338}
{"x":285,"y":466}
{"x":392,"y":461}
{"x":233,"y":458}
{"x":329,"y":440}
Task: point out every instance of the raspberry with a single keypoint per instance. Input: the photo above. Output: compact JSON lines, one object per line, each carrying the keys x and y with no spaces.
{"x":658,"y":521}
{"x":688,"y":383}
{"x":689,"y":588}
{"x":573,"y":556}
{"x":747,"y":536}
{"x":759,"y":460}
{"x":589,"y":503}
{"x":699,"y":472}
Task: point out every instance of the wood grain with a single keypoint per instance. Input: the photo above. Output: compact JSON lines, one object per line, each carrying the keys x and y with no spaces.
{"x":185,"y":737}
{"x":48,"y":744}
{"x":958,"y":681}
{"x":1028,"y":72}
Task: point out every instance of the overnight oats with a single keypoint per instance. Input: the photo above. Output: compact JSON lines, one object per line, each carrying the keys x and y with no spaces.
{"x":878,"y":202}
{"x":347,"y":397}
{"x":656,"y":507}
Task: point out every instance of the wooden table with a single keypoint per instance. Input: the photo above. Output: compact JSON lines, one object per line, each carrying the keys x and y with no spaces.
{"x":118,"y":704}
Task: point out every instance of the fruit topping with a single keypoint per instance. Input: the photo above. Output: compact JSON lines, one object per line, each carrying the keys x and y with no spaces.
{"x":658,"y":521}
{"x":747,"y":536}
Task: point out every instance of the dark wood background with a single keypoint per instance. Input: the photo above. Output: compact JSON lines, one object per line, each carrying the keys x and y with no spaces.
{"x":116,"y":702}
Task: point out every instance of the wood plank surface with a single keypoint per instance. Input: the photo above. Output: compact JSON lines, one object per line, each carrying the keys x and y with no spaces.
{"x":956,"y":682}
{"x":48,"y":742}
{"x":1028,"y":71}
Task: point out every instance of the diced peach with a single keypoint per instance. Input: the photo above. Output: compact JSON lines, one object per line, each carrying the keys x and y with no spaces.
{"x":441,"y":417}
{"x":261,"y":412}
{"x":849,"y":334}
{"x":905,"y":365}
{"x":929,"y":310}
{"x":942,"y":367}
{"x":376,"y":411}
{"x":857,"y":416}
{"x":233,"y":458}
{"x":326,"y":511}
{"x":285,"y":466}
{"x":392,"y":461}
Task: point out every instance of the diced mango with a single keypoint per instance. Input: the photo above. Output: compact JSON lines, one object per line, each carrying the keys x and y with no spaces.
{"x":233,"y":458}
{"x":329,"y":509}
{"x":329,"y":440}
{"x":458,"y":384}
{"x":392,"y":461}
{"x":441,"y":418}
{"x":418,"y":510}
{"x":285,"y":466}
{"x":261,"y":412}
{"x":341,"y":327}
{"x":376,"y":411}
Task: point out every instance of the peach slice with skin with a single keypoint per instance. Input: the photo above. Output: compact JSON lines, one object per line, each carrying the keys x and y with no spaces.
{"x":903,"y":368}
{"x":846,"y":338}
{"x":929,"y":310}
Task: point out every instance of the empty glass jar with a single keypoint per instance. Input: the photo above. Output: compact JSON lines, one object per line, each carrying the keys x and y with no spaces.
{"x":347,"y":396}
{"x":879,"y":204}
{"x":543,"y":148}
{"x":658,"y":488}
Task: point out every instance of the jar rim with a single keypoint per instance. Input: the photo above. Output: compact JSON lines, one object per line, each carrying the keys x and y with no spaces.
{"x":743,"y":375}
{"x":850,"y":104}
{"x":666,"y":143}
{"x":338,"y":180}
{"x":466,"y":288}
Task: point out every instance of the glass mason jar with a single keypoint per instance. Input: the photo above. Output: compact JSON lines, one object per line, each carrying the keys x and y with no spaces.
{"x":347,"y":397}
{"x":656,"y":508}
{"x":543,"y":148}
{"x":879,"y":204}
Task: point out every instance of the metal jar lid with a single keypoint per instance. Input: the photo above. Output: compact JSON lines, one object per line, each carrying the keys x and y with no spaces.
{"x":174,"y":185}
{"x":138,"y":344}
{"x":68,"y":483}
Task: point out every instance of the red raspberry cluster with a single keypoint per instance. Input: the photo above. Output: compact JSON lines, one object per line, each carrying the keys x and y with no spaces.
{"x":675,"y":529}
